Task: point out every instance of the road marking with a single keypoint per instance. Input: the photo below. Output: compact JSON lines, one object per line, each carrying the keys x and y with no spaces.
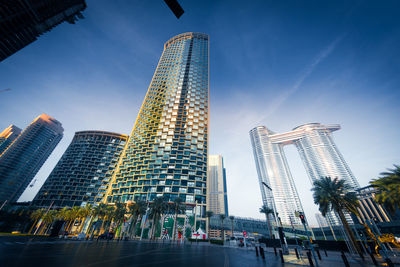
{"x":226,"y":263}
{"x":123,"y":257}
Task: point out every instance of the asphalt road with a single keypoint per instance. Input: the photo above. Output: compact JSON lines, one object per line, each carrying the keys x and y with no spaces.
{"x":42,"y":251}
{"x":16,"y":251}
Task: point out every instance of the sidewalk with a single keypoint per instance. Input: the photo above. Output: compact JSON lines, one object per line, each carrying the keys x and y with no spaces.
{"x":333,"y":258}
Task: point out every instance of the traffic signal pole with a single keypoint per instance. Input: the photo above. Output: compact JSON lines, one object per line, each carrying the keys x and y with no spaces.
{"x":303,"y":221}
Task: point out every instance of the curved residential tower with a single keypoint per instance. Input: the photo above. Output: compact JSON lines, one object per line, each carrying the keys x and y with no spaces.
{"x":166,"y":154}
{"x":82,"y":174}
{"x":320,"y":157}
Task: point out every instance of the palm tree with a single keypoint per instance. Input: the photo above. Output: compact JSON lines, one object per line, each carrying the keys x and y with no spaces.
{"x":36,"y":215}
{"x":336,"y":195}
{"x":103,"y":212}
{"x":388,"y":188}
{"x":83,"y":213}
{"x":135,"y":210}
{"x":267,"y":211}
{"x":222,"y":218}
{"x":118,"y":215}
{"x":49,"y":218}
{"x":178,"y":207}
{"x":232,"y":218}
{"x":157,"y":207}
{"x":209,"y":214}
{"x":99,"y":212}
{"x":109,"y":213}
{"x":73,"y":215}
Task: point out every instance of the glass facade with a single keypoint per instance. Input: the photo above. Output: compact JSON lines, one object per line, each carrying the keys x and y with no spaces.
{"x":24,"y":21}
{"x":217,"y":199}
{"x":273,"y":170}
{"x":318,"y":152}
{"x":320,"y":155}
{"x":83,"y":173}
{"x":166,"y":154}
{"x":20,"y":162}
{"x":8,"y":136}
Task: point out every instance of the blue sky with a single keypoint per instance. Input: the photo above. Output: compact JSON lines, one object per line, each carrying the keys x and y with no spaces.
{"x":273,"y":63}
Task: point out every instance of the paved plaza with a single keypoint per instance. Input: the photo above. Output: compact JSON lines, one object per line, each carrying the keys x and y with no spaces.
{"x":28,"y":251}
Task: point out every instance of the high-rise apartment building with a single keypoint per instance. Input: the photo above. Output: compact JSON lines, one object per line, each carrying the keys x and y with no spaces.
{"x":23,"y":21}
{"x":83,"y":173}
{"x":217,"y":199}
{"x":166,"y":154}
{"x":8,"y":136}
{"x":20,"y":162}
{"x":280,"y":194}
{"x":320,"y":157}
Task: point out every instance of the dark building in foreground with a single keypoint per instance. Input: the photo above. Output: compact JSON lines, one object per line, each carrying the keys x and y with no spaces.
{"x":23,"y":21}
{"x":84,"y":171}
{"x":8,"y":136}
{"x":20,"y":162}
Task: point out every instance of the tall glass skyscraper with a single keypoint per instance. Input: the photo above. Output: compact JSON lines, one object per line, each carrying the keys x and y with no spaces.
{"x":8,"y":136}
{"x":166,"y":154}
{"x":84,"y":171}
{"x":23,"y":21}
{"x":20,"y":162}
{"x":320,"y":157}
{"x":280,"y":194}
{"x":217,"y":199}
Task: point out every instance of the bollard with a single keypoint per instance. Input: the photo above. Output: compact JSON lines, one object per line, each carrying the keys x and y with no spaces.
{"x":297,"y":253}
{"x":373,"y":258}
{"x":275,"y":251}
{"x":262,"y":253}
{"x":309,"y":258}
{"x":281,"y":254}
{"x":256,"y":251}
{"x":319,"y":255}
{"x":326,"y":253}
{"x":346,"y":263}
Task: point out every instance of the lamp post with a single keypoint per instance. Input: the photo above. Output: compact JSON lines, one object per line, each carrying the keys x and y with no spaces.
{"x":280,"y":228}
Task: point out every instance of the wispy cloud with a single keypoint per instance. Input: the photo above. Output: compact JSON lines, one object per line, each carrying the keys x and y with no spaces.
{"x":276,"y":104}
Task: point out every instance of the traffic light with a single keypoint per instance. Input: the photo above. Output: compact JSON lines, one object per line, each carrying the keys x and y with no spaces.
{"x":303,"y":220}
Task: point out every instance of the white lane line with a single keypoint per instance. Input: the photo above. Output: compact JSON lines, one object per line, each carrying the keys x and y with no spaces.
{"x":123,"y":257}
{"x":226,"y":263}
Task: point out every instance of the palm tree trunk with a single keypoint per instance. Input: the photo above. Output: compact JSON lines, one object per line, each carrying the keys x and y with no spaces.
{"x":349,"y":232}
{"x":208,"y":230}
{"x":69,"y":225}
{"x":102,"y":224}
{"x":30,"y":230}
{"x":269,"y":226}
{"x":43,"y":230}
{"x":81,"y":226}
{"x":152,"y":227}
{"x":132,"y":233}
{"x":174,"y":228}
